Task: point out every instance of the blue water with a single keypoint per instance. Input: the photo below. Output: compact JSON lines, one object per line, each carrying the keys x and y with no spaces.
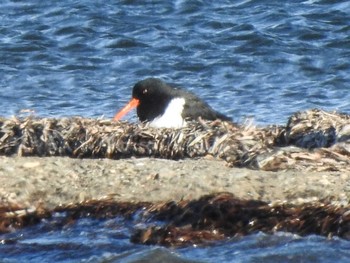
{"x":260,"y":59}
{"x":257,"y":59}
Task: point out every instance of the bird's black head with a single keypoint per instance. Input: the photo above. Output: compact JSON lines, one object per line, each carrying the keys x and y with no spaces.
{"x":153,"y":95}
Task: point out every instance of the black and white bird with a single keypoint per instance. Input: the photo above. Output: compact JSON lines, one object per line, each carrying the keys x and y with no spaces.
{"x":167,"y":107}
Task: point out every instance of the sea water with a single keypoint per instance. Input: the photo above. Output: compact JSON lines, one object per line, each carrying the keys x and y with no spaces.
{"x":256,"y":59}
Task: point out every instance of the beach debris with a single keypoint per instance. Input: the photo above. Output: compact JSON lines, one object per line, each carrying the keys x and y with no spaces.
{"x":314,"y":140}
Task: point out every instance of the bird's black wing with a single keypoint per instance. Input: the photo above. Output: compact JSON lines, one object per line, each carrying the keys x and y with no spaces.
{"x":195,"y":107}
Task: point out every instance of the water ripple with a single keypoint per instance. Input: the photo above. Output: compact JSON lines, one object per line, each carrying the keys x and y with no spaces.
{"x":248,"y":52}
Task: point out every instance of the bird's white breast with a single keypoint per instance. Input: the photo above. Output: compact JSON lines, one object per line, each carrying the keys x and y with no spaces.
{"x":172,"y":117}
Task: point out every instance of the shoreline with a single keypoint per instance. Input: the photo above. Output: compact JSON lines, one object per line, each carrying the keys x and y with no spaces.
{"x":305,"y":161}
{"x":54,"y":181}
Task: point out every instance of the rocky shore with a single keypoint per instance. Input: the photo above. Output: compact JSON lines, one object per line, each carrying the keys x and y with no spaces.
{"x":53,"y":181}
{"x":277,"y":178}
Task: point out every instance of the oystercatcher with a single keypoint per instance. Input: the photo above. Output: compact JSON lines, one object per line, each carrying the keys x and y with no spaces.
{"x":167,"y":107}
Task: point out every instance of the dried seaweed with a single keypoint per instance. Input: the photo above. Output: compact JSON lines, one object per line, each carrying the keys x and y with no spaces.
{"x":317,"y":128}
{"x":313,"y":140}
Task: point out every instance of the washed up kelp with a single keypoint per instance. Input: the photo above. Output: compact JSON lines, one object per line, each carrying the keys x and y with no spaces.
{"x":14,"y":216}
{"x":314,"y":140}
{"x":79,"y":137}
{"x":316,"y":129}
{"x":220,"y":216}
{"x":210,"y":218}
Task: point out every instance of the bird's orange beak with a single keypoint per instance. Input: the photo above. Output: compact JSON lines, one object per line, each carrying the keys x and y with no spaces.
{"x":133,"y":103}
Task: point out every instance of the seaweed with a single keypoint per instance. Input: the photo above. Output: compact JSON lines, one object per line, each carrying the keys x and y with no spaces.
{"x":313,"y":140}
{"x":213,"y":217}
